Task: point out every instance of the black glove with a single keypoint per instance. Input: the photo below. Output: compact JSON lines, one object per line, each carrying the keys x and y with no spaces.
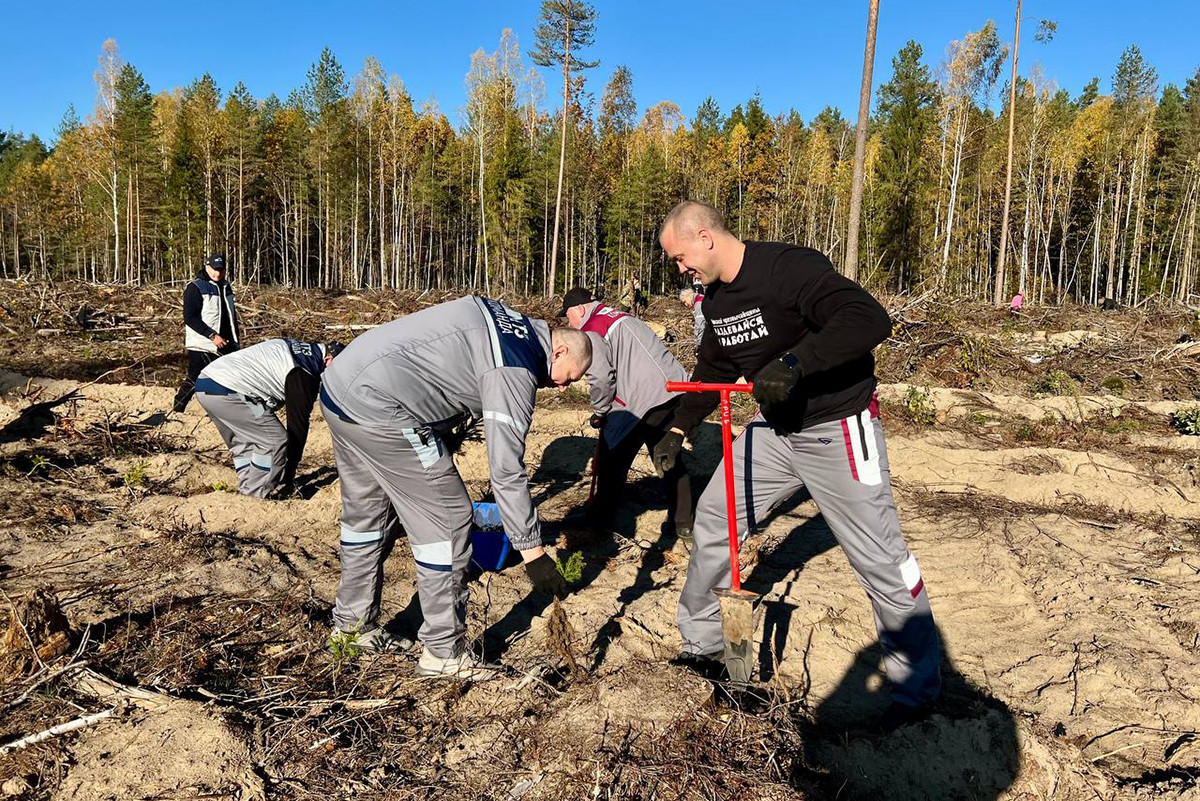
{"x":666,"y":453}
{"x":545,"y":578}
{"x":283,"y":491}
{"x":597,"y":421}
{"x":775,"y":382}
{"x":455,"y":437}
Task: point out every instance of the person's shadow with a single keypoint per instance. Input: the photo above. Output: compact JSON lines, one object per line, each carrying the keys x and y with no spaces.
{"x":966,"y":748}
{"x":563,"y":461}
{"x":785,"y":562}
{"x":308,"y":484}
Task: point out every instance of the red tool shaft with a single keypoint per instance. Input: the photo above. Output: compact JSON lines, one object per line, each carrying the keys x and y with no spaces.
{"x":727,"y":451}
{"x":735,"y":568}
{"x":700,"y":386}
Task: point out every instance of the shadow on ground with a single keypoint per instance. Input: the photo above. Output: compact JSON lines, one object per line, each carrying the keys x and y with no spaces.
{"x":966,"y":749}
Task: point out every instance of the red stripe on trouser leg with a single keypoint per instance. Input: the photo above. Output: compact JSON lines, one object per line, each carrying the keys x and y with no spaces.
{"x":873,"y":406}
{"x":849,"y":449}
{"x":917,"y":589}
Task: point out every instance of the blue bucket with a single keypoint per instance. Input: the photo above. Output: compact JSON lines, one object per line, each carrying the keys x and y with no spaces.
{"x":489,"y":544}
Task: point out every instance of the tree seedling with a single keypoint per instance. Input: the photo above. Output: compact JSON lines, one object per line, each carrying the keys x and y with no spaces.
{"x":136,"y":476}
{"x":572,"y":569}
{"x":1187,"y":421}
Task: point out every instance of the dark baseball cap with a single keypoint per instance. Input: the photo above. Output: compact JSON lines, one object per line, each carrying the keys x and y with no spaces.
{"x":574,"y":297}
{"x":216,"y":261}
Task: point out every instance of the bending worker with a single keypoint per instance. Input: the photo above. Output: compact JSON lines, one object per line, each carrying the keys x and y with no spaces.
{"x":631,"y":406}
{"x":389,"y":400}
{"x":241,"y":392}
{"x":781,"y":316}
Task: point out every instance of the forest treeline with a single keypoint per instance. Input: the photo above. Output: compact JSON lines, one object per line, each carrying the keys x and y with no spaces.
{"x":348,"y":182}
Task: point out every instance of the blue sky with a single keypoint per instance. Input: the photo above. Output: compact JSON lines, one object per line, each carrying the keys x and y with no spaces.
{"x":800,"y":54}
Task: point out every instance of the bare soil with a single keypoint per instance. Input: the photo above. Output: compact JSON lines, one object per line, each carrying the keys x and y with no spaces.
{"x":1059,"y":536}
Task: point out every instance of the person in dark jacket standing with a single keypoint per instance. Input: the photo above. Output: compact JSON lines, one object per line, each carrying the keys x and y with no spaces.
{"x":210,"y":324}
{"x":784,"y":318}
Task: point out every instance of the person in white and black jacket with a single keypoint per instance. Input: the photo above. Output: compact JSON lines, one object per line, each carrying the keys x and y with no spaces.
{"x":210,"y":323}
{"x":785,"y":319}
{"x":241,"y":392}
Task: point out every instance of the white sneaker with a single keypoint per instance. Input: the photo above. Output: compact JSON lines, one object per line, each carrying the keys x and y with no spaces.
{"x":466,"y":667}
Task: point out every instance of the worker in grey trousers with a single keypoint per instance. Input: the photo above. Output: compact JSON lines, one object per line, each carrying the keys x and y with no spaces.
{"x":241,"y":391}
{"x":692,"y":298}
{"x":783,"y":317}
{"x":631,"y":407}
{"x":390,"y":400}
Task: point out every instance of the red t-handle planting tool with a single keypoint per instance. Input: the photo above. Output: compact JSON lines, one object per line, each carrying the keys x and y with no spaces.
{"x":737,"y":605}
{"x":727,"y":451}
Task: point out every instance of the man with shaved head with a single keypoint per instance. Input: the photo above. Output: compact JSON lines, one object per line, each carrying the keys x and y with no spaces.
{"x":781,"y":316}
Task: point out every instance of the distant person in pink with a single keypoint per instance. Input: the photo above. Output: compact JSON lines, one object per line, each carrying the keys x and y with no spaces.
{"x":1017,"y":302}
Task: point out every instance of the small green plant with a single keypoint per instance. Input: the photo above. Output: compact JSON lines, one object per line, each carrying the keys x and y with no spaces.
{"x":223,"y":486}
{"x":1187,"y":421}
{"x":1114,"y":384}
{"x":343,"y":645}
{"x":977,"y":419}
{"x":919,"y":407}
{"x":572,"y":569}
{"x":1055,"y":382}
{"x":136,"y":476}
{"x":1026,"y":431}
{"x":38,"y":462}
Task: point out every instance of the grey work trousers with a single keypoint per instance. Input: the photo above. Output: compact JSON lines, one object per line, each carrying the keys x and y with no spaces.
{"x":844,"y":466}
{"x":409,"y":477}
{"x":255,"y":438}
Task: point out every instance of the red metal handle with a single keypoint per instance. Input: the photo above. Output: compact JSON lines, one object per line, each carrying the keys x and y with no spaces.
{"x":735,"y":569}
{"x":700,"y":386}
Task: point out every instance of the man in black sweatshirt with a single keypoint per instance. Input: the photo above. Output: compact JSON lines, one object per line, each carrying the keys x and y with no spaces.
{"x":210,"y":324}
{"x":781,"y":316}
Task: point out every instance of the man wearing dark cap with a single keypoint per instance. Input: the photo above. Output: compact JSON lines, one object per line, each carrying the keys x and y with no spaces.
{"x":210,"y":323}
{"x":631,"y":407}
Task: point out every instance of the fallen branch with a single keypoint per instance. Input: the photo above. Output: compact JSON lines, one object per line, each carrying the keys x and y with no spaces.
{"x":54,"y":731}
{"x":109,"y":691}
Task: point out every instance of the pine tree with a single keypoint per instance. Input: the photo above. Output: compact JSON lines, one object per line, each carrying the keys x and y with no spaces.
{"x":564,"y":25}
{"x":907,"y":114}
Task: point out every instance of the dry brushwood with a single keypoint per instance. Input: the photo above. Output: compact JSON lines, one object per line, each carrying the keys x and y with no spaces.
{"x":37,"y":633}
{"x":560,"y":632}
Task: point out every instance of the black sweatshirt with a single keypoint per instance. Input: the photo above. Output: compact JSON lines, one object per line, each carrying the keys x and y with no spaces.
{"x":790,"y":298}
{"x":300,"y":390}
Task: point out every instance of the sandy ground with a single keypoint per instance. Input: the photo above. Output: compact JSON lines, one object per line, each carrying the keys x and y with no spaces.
{"x":1065,"y":582}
